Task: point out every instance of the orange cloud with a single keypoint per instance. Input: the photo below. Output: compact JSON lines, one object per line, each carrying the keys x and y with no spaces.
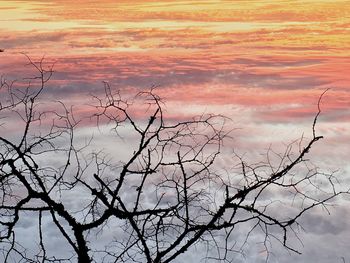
{"x":254,"y":54}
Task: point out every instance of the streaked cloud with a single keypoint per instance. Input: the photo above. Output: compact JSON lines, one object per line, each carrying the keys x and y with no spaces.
{"x":262,"y":63}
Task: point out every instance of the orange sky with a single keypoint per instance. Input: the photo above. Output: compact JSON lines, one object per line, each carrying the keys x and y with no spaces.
{"x":257,"y":54}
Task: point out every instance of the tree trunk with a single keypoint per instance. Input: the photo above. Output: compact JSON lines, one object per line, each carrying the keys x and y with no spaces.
{"x":83,"y":250}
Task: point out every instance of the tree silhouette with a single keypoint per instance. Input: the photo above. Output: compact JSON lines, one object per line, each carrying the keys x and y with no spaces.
{"x":168,"y":197}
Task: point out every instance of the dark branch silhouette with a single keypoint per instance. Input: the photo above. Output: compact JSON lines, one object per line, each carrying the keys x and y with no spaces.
{"x":167,"y":197}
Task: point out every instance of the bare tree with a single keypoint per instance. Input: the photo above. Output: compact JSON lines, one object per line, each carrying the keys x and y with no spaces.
{"x":168,"y":197}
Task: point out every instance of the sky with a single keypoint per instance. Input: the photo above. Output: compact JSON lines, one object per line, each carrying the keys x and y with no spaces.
{"x":264,"y":64}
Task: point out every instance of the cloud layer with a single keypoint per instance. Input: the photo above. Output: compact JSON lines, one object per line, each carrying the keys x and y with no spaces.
{"x":263,"y":64}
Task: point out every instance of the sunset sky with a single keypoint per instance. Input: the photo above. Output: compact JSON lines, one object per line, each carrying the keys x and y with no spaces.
{"x":262,"y":63}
